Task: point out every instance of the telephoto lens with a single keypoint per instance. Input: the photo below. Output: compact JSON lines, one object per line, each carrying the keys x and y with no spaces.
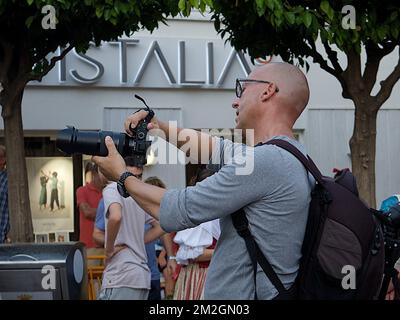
{"x":74,"y":141}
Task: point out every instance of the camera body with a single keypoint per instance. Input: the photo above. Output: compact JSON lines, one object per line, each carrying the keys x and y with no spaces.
{"x":74,"y":141}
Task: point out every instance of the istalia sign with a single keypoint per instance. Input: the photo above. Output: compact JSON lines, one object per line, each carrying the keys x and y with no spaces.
{"x":151,"y":62}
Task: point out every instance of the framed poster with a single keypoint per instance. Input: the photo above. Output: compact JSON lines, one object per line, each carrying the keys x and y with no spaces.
{"x":41,"y":237}
{"x":51,"y":194}
{"x":62,"y":236}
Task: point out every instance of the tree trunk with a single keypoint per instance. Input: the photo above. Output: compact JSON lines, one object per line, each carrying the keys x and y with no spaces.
{"x":363,"y":149}
{"x":18,"y":192}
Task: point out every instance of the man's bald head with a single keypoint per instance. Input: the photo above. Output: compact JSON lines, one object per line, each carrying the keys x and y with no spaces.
{"x":291,"y":82}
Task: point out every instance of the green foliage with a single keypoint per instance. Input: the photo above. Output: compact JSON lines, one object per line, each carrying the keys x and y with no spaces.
{"x":78,"y":23}
{"x":288,"y":28}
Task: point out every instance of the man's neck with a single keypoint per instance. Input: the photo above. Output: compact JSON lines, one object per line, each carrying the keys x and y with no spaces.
{"x":267,"y":132}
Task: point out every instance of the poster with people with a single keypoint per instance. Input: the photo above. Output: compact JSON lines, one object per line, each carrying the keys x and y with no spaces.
{"x":51,"y":193}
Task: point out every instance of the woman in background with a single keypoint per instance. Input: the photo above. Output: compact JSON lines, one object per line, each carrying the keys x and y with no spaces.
{"x":196,"y":247}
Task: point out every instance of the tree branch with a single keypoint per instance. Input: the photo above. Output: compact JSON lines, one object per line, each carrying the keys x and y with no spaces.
{"x":332,"y":55}
{"x":388,"y":84}
{"x":318,"y":58}
{"x":50,"y":66}
{"x":374,"y":57}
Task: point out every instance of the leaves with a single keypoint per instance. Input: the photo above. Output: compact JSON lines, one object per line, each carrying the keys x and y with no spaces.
{"x":327,"y":9}
{"x":29,"y":21}
{"x":307,"y":19}
{"x":261,"y":6}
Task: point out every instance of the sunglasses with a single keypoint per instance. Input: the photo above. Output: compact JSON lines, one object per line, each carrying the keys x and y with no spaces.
{"x":239,"y":88}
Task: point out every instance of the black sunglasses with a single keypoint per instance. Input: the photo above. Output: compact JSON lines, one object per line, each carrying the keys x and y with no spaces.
{"x":239,"y":88}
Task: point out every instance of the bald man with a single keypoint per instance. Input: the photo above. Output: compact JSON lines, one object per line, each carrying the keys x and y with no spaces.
{"x":275,"y":194}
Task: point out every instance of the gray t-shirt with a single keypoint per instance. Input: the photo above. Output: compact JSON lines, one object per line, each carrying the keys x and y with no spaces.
{"x":275,"y":197}
{"x":128,"y":268}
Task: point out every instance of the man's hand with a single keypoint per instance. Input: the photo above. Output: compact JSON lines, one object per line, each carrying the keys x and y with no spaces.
{"x":162,"y":260}
{"x":111,"y":252}
{"x":133,"y":120}
{"x":171,"y":266}
{"x":112,"y":166}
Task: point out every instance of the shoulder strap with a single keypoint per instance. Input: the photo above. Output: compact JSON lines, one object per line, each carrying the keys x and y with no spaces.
{"x":241,"y":225}
{"x":307,"y":162}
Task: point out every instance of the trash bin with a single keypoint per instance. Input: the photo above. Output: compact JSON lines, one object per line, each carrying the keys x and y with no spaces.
{"x":33,"y":271}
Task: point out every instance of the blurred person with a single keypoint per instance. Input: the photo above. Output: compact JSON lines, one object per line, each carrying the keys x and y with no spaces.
{"x":4,"y":214}
{"x":99,"y":225}
{"x":196,"y":247}
{"x":169,"y":276}
{"x":386,"y":205}
{"x":155,"y":291}
{"x":126,"y":275}
{"x":88,"y":197}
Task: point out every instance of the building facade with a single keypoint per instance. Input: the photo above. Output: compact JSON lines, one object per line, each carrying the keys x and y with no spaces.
{"x":186,"y":73}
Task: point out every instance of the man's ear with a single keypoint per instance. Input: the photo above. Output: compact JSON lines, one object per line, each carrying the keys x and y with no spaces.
{"x":268,"y":91}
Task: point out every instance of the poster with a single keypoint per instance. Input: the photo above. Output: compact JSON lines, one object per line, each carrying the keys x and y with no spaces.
{"x":51,"y":194}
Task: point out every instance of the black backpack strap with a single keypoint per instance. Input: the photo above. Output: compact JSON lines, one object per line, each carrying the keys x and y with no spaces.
{"x":241,"y":225}
{"x":307,"y":162}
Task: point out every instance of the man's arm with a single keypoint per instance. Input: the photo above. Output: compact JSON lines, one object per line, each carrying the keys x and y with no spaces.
{"x":217,"y":196}
{"x":199,"y":143}
{"x":88,"y":211}
{"x":167,"y":243}
{"x":114,"y":222}
{"x":154,"y":232}
{"x":205,"y":256}
{"x":98,"y":237}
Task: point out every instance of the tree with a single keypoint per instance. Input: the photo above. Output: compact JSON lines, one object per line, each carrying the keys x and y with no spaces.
{"x":291,"y":29}
{"x":30,"y":33}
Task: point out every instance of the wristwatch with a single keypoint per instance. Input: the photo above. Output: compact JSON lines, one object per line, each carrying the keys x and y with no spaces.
{"x":121,"y":183}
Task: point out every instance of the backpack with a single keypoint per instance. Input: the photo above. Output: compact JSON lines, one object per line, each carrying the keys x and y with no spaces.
{"x":342,"y":240}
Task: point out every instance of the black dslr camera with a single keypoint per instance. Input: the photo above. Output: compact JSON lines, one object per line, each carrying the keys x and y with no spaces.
{"x":74,"y":141}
